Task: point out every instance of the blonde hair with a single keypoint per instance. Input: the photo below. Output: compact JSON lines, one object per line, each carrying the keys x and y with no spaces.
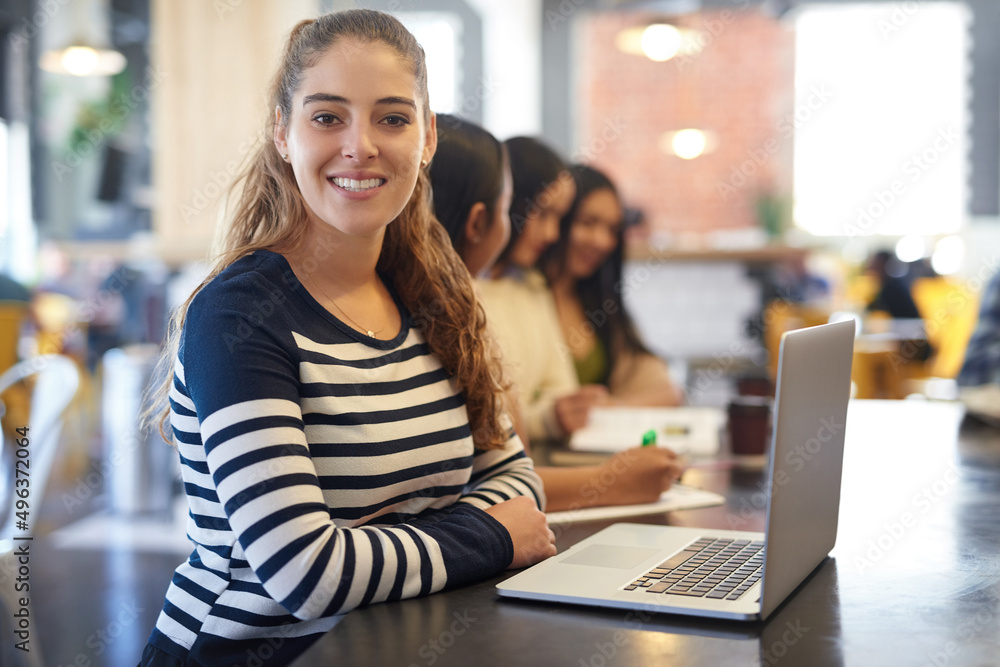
{"x":427,"y":274}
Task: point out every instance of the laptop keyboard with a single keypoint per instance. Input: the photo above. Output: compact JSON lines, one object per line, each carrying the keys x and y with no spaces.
{"x":716,"y":569}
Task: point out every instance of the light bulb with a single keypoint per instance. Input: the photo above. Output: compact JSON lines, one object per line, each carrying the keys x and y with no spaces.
{"x":80,"y":60}
{"x":661,"y":41}
{"x":688,"y":144}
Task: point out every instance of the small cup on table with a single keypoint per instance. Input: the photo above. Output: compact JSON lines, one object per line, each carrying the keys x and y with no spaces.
{"x":749,"y":426}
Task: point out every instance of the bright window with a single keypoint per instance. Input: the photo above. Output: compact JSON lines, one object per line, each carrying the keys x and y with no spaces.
{"x":18,"y":236}
{"x":4,"y":184}
{"x":880,"y":118}
{"x":438,"y":33}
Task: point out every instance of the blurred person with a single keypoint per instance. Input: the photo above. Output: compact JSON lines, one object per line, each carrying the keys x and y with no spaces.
{"x":793,"y":281}
{"x":519,"y":303}
{"x":981,"y":365}
{"x":471,"y":185}
{"x":894,"y":298}
{"x":470,"y":180}
{"x":584,"y":269}
{"x":893,"y":295}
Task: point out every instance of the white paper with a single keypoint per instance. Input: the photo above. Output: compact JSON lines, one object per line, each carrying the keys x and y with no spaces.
{"x":677,"y":497}
{"x":693,"y":431}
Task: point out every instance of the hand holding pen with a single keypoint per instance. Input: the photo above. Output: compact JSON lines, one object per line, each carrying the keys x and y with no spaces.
{"x":640,"y":474}
{"x":684,"y":462}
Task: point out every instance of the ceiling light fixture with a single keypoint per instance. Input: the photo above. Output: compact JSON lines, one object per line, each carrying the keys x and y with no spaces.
{"x":661,"y":41}
{"x":83,"y":56}
{"x":658,"y":41}
{"x":80,"y":59}
{"x":688,"y":143}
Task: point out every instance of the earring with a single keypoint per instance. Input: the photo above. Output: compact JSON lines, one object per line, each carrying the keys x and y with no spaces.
{"x":285,"y":157}
{"x":423,"y":163}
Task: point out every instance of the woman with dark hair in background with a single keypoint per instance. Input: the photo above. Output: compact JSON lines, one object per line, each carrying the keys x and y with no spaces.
{"x":519,"y":304}
{"x":584,"y":270}
{"x":474,"y":213}
{"x":471,"y":183}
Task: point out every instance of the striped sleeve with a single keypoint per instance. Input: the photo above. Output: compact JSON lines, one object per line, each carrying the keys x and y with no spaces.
{"x":242,"y":377}
{"x":502,"y":474}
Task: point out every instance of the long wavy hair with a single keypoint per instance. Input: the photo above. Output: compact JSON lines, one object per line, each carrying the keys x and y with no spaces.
{"x":426,"y":272}
{"x":604,"y":286}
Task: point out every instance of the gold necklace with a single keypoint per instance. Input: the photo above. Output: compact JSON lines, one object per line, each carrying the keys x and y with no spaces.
{"x":371,"y":334}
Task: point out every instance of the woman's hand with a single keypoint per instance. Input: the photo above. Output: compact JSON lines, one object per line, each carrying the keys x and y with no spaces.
{"x":573,"y":410}
{"x":637,"y":475}
{"x":529,"y":530}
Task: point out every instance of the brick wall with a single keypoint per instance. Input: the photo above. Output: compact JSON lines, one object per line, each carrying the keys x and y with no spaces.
{"x":740,"y":86}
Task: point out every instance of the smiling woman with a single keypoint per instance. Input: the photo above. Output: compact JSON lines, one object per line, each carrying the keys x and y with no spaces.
{"x":584,"y":268}
{"x":367,"y":148}
{"x":339,"y":446}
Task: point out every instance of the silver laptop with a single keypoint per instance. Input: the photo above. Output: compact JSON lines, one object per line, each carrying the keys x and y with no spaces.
{"x":730,"y":574}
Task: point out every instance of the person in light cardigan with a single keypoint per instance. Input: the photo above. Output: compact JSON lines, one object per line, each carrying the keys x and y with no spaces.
{"x":584,"y":269}
{"x":472,"y":188}
{"x":519,"y":303}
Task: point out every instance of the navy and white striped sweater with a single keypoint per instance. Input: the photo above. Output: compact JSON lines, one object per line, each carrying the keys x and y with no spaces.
{"x":324,"y":470}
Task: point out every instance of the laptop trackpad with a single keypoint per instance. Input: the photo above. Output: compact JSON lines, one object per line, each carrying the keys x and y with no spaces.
{"x":606,"y":555}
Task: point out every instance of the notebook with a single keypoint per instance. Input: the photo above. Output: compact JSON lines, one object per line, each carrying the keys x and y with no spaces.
{"x":677,"y":497}
{"x":730,"y":574}
{"x":689,"y":430}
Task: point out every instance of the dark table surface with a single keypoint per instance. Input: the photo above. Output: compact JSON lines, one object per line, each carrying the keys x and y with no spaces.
{"x":913,"y":580}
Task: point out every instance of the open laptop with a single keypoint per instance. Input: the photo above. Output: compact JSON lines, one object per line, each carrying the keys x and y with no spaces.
{"x":730,"y":574}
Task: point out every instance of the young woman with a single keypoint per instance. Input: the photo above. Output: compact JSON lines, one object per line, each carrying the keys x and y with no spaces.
{"x":519,"y":303}
{"x":470,"y":180}
{"x":334,"y":453}
{"x":584,"y":269}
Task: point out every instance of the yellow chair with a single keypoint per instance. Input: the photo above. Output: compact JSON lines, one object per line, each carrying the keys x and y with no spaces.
{"x":860,"y":290}
{"x":16,"y":399}
{"x":60,"y":329}
{"x":877,"y":371}
{"x":781,"y":316}
{"x":949,"y":310}
{"x":12,"y":316}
